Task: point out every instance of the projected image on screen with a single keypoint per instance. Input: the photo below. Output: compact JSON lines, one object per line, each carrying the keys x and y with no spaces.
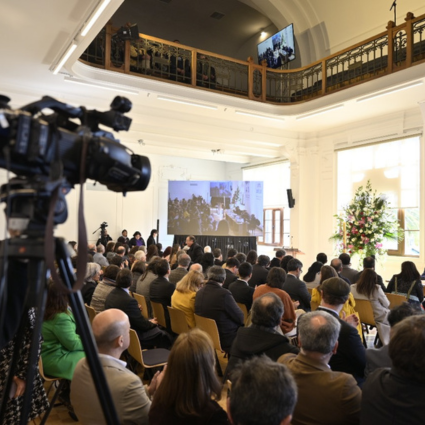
{"x":221,"y":208}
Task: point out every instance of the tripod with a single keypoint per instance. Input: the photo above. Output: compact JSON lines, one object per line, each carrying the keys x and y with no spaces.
{"x":30,"y":246}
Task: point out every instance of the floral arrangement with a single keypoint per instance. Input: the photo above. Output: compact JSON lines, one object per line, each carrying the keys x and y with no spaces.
{"x":368,"y":223}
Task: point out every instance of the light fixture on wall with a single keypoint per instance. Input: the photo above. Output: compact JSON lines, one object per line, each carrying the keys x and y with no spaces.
{"x":116,"y":89}
{"x":262,"y":32}
{"x":69,"y":51}
{"x":94,"y":16}
{"x":320,"y":112}
{"x":390,"y":91}
{"x":248,"y":114}
{"x":185,"y":102}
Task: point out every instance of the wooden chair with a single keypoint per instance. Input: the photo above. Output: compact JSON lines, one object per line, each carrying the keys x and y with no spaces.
{"x":364,"y":308}
{"x":395,"y":300}
{"x":155,"y":357}
{"x":142,"y":301}
{"x":246,"y":314}
{"x":310,"y":291}
{"x":158,"y":312}
{"x":178,"y":320}
{"x":209,"y":326}
{"x":91,"y":312}
{"x":57,"y":392}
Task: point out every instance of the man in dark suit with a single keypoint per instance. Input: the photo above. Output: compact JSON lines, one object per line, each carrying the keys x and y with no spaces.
{"x":259,"y":271}
{"x":231,"y":270}
{"x":350,"y":356}
{"x":280,"y":253}
{"x":347,"y":271}
{"x":295,"y":287}
{"x":149,"y":334}
{"x":161,"y":290}
{"x":336,"y":263}
{"x":369,"y":263}
{"x":218,"y":257}
{"x":324,"y":396}
{"x":195,"y":251}
{"x":240,"y":289}
{"x":395,"y":396}
{"x":215,"y":302}
{"x":180,"y":272}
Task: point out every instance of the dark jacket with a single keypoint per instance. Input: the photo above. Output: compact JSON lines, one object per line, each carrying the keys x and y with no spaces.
{"x":389,"y":398}
{"x":274,"y":263}
{"x":230,"y":277}
{"x":242,"y":292}
{"x":87,"y":291}
{"x":151,"y":241}
{"x":195,"y":252}
{"x":259,"y":276}
{"x":297,"y":290}
{"x":119,"y":298}
{"x":177,"y":275}
{"x":379,"y":280}
{"x":214,"y":302}
{"x":255,"y":341}
{"x":351,"y":354}
{"x":135,"y":242}
{"x":160,"y":291}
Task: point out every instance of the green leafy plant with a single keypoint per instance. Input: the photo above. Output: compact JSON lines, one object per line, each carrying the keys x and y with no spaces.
{"x":368,"y":224}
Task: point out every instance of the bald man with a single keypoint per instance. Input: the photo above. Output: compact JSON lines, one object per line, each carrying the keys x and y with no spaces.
{"x":111,"y":330}
{"x":197,"y":267}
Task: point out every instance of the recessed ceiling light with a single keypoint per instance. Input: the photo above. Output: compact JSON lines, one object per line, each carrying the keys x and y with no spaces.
{"x":322,"y":111}
{"x":259,"y":116}
{"x":185,"y":102}
{"x":390,"y":91}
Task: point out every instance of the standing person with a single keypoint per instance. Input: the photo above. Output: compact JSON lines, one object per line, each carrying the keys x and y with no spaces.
{"x":136,"y":240}
{"x":408,"y":283}
{"x":195,"y":251}
{"x":190,"y":388}
{"x":152,"y":238}
{"x":367,"y":288}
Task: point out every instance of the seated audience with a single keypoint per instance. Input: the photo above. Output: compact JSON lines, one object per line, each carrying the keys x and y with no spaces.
{"x":350,"y":356}
{"x":336,"y":263}
{"x":104,"y":287}
{"x":270,"y":401}
{"x":207,"y":249}
{"x":326,"y":272}
{"x":206,"y":262}
{"x":252,"y":257}
{"x":231,"y":270}
{"x":190,"y":388}
{"x":140,"y":255}
{"x":263,"y":336}
{"x":230,"y":254}
{"x":73,"y":248}
{"x":395,"y":396}
{"x":161,"y":290}
{"x":218,"y":257}
{"x":149,"y":334}
{"x":197,"y":267}
{"x":215,"y":302}
{"x":369,"y":263}
{"x":91,"y":249}
{"x":259,"y":271}
{"x":138,"y":268}
{"x":173,"y":255}
{"x":408,"y":283}
{"x":144,"y":283}
{"x":131,"y":398}
{"x":99,"y":257}
{"x":179,"y":252}
{"x":379,"y":357}
{"x":324,"y":397}
{"x":347,"y":271}
{"x":275,"y":280}
{"x":123,"y":238}
{"x":183,"y":297}
{"x":295,"y":287}
{"x":110,"y":250}
{"x":152,"y":252}
{"x":367,"y":288}
{"x":136,"y":240}
{"x":91,"y":280}
{"x":284,"y":263}
{"x":118,"y":261}
{"x":322,"y":258}
{"x":180,"y":272}
{"x":280,"y":253}
{"x":167,"y":253}
{"x":160,"y":252}
{"x":241,"y":257}
{"x":312,"y":277}
{"x":240,"y":289}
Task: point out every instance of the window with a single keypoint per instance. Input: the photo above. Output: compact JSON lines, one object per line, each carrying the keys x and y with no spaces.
{"x":273,"y":227}
{"x":393,"y":170}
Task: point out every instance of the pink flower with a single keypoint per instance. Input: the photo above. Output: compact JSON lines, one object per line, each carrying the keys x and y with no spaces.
{"x":378,"y":245}
{"x":369,"y":219}
{"x":350,"y":246}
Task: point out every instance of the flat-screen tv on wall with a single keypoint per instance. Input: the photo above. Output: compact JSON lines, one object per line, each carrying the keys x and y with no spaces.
{"x":221,"y":208}
{"x":278,"y":49}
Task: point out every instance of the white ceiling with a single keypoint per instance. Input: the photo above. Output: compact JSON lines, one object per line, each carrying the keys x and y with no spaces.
{"x":36,"y":34}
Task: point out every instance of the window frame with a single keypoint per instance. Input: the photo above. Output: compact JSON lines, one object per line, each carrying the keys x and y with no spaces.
{"x":281,"y":233}
{"x":400,"y":251}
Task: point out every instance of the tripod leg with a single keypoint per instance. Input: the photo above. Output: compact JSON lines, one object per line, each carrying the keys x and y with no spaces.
{"x":86,"y":335}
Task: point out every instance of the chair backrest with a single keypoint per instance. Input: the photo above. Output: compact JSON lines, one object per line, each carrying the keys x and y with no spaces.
{"x":178,"y":320}
{"x":135,"y":348}
{"x":158,"y":312}
{"x":244,"y":311}
{"x":395,"y":300}
{"x":210,"y":327}
{"x":91,"y":312}
{"x":142,"y":301}
{"x":364,"y":308}
{"x":135,"y":351}
{"x":41,"y":370}
{"x":314,"y":305}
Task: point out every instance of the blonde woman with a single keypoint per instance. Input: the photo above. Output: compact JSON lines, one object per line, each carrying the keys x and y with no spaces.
{"x":183,"y":297}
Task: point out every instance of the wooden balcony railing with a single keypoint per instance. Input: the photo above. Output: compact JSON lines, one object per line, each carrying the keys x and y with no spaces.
{"x":397,"y":48}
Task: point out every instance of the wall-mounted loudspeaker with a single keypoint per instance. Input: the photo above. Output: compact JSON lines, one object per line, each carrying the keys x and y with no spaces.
{"x":291,"y":200}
